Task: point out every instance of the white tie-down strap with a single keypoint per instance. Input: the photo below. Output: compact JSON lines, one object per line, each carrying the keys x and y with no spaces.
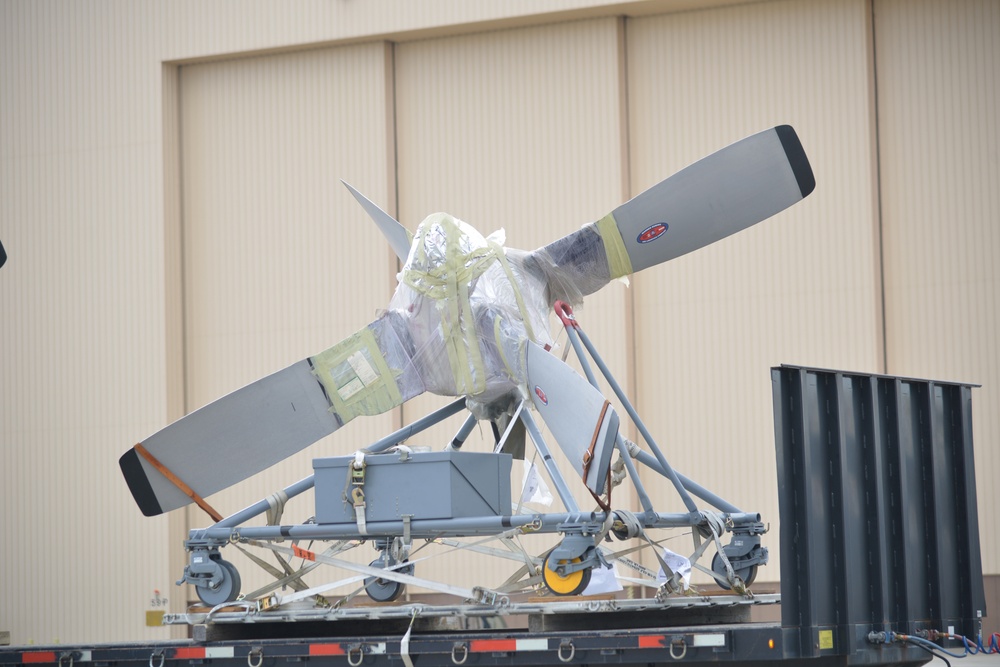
{"x":404,"y":645}
{"x":276,"y":507}
{"x":357,"y":497}
{"x":479,"y":595}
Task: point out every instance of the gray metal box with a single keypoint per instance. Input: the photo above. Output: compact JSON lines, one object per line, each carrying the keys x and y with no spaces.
{"x":429,"y":485}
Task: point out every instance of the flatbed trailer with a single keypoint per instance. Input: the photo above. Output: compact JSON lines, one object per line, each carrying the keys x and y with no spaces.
{"x":751,"y":644}
{"x":880,"y":565}
{"x":743,"y":643}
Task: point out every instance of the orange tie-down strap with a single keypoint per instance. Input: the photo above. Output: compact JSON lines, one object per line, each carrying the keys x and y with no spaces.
{"x":178,"y":482}
{"x":588,"y":458}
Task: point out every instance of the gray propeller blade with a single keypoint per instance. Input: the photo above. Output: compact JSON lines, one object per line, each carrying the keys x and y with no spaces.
{"x":726,"y":192}
{"x":398,"y":236}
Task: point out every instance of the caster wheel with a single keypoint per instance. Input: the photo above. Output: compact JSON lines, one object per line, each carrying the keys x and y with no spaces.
{"x":572,"y":584}
{"x":747,"y":574}
{"x":227,"y":590}
{"x":385,"y":590}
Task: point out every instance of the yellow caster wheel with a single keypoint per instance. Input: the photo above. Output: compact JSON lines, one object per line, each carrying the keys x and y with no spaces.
{"x":572,"y":584}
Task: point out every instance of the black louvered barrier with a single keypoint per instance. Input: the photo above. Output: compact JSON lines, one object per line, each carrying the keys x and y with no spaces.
{"x":877,"y":499}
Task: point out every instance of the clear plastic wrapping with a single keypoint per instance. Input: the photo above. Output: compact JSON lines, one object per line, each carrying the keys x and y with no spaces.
{"x":465,"y":307}
{"x":574,"y":266}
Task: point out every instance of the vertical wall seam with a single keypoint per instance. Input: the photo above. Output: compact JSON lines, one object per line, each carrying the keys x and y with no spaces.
{"x":178,"y":523}
{"x":879,"y":226}
{"x":392,"y":127}
{"x":181,"y":229}
{"x":185,"y":520}
{"x":625,"y":133}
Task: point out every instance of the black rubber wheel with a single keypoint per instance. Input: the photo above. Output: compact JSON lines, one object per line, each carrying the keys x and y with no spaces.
{"x":385,"y":590}
{"x":747,"y":574}
{"x":227,"y":590}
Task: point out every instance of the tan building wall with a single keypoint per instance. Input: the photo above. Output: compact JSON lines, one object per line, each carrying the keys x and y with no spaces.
{"x":800,"y":288}
{"x":169,"y":199}
{"x":938,"y":136}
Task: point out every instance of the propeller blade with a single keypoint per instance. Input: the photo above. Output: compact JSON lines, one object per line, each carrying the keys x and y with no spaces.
{"x":267,"y":421}
{"x":581,"y":420}
{"x":3,"y":255}
{"x":398,"y":236}
{"x":719,"y":195}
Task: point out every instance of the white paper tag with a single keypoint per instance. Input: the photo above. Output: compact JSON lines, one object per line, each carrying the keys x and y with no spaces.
{"x":350,"y":389}
{"x":603,"y":580}
{"x":678,"y":564}
{"x":533,"y":486}
{"x":363,"y":369}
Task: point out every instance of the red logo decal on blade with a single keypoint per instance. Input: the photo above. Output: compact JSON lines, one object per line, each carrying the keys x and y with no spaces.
{"x":652,"y":232}
{"x":541,"y":395}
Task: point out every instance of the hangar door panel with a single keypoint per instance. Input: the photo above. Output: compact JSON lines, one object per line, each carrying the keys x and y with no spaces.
{"x":279,"y":260}
{"x":938,"y":68}
{"x":802,"y":285}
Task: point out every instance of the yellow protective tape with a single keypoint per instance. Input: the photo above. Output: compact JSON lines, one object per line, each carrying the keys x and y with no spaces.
{"x":499,"y":341}
{"x":618,"y":262}
{"x":447,"y":284}
{"x":462,"y":344}
{"x":356,"y":377}
{"x":441,"y":281}
{"x":525,"y":317}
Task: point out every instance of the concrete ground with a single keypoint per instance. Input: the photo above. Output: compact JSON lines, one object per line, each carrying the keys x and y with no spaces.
{"x":978,"y":660}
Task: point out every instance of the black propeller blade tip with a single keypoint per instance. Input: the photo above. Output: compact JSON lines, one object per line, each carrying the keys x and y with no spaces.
{"x":138,"y":483}
{"x":3,"y":255}
{"x":797,"y":158}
